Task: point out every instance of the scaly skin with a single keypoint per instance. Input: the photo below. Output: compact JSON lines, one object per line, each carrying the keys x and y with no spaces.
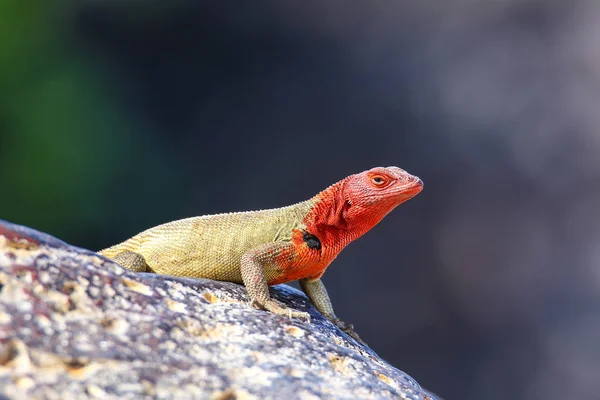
{"x":267,"y":247}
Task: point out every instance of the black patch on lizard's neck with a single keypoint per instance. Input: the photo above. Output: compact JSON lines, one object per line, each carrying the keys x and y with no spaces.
{"x":312,"y":241}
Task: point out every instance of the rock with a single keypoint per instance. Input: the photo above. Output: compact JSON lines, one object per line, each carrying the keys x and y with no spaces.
{"x":75,"y":325}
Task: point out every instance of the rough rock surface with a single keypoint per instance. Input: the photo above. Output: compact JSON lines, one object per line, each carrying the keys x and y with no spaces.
{"x":75,"y":325}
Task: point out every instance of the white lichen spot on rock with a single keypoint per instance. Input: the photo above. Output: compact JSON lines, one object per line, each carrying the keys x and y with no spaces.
{"x":176,"y":306}
{"x":44,"y":277}
{"x":210,"y":297}
{"x":83,"y":282}
{"x":116,"y":326}
{"x":223,"y":330}
{"x":167,"y":345}
{"x":5,"y":318}
{"x":386,"y":379}
{"x":13,"y":293}
{"x":341,"y":364}
{"x":24,"y":383}
{"x":199,"y":352}
{"x":82,"y":368}
{"x":296,"y":373}
{"x":337,"y":340}
{"x":258,"y":356}
{"x":258,"y":375}
{"x":82,"y":343}
{"x":109,"y":292}
{"x":47,"y":361}
{"x":25,"y":276}
{"x":94,"y":292}
{"x":15,"y":356}
{"x":194,"y":327}
{"x":96,"y":392}
{"x":20,"y":244}
{"x":79,"y":299}
{"x":176,"y":290}
{"x":221,"y":297}
{"x":137,"y":287}
{"x":42,"y":321}
{"x":59,"y":301}
{"x":295,"y":331}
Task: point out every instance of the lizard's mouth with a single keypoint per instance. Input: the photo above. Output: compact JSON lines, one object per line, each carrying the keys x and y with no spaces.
{"x":411,"y":189}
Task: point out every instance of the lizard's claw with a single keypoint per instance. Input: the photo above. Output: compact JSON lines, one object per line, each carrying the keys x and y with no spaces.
{"x":280,"y":309}
{"x":348,"y":329}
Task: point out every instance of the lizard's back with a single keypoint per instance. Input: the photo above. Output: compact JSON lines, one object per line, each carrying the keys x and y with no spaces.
{"x":212,"y":246}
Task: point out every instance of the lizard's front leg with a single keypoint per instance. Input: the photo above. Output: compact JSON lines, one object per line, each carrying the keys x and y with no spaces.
{"x":315,"y":290}
{"x":253,"y":267}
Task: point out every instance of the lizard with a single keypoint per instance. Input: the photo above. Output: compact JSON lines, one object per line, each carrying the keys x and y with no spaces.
{"x":273,"y":246}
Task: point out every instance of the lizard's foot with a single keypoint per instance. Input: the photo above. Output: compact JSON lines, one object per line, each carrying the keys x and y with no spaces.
{"x":132,"y":261}
{"x":280,"y":309}
{"x":348,"y":328}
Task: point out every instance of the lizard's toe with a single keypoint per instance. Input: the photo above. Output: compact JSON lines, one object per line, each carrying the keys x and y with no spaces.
{"x":348,"y":329}
{"x":278,"y":308}
{"x":301,"y":315}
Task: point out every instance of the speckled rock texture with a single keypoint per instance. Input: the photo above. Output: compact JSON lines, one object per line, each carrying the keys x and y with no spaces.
{"x":75,"y":325}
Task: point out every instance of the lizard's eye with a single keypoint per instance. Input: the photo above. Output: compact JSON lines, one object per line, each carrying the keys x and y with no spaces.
{"x":379,"y":180}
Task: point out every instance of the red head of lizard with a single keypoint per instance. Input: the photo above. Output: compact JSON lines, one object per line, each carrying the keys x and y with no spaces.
{"x":357,"y":203}
{"x":348,"y":209}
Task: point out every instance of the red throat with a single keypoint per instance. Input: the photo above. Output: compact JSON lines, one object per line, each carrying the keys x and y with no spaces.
{"x":328,"y":219}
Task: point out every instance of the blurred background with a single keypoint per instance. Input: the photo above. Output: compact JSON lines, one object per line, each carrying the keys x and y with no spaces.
{"x":118,"y":115}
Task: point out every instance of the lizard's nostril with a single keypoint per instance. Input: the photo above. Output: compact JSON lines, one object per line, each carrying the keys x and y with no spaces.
{"x":415,"y":185}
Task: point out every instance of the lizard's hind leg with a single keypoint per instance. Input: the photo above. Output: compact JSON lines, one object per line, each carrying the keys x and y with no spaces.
{"x":132,"y":261}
